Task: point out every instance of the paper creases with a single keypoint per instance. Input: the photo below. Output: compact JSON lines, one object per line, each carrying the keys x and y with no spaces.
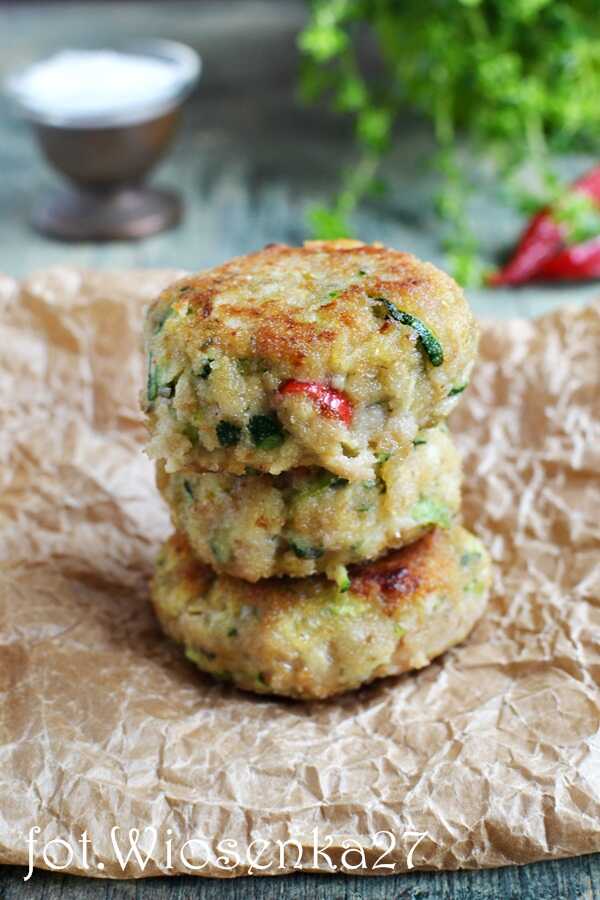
{"x":492,"y":753}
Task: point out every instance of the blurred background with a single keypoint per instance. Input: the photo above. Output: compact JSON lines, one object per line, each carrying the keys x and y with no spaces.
{"x":339,"y":117}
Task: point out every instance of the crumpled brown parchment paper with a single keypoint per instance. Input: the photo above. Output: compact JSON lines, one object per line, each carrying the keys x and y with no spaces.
{"x":492,"y":753}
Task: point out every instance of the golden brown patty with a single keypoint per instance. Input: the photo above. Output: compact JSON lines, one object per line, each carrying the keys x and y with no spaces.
{"x":307,"y":520}
{"x":304,"y":637}
{"x":324,"y":355}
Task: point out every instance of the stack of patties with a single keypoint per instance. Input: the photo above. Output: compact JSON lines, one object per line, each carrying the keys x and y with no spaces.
{"x":296,"y":403}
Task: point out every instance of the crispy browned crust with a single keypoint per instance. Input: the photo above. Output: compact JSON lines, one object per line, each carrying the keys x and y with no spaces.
{"x":235,"y":317}
{"x":304,"y":638}
{"x":402,"y":576}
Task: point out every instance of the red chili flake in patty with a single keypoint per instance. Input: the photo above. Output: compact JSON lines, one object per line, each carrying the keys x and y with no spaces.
{"x":331,"y":403}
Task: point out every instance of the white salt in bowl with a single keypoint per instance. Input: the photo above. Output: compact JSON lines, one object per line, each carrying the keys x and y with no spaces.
{"x":103,"y":118}
{"x":100,"y":88}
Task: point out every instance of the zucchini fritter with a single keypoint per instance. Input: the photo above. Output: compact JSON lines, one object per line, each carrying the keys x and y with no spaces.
{"x":308,"y":520}
{"x":307,"y":638}
{"x":326,"y":355}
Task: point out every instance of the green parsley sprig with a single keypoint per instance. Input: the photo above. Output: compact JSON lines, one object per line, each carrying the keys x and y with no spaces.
{"x":517,"y":79}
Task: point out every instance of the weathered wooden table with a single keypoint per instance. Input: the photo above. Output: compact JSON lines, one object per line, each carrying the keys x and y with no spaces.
{"x":248,"y":162}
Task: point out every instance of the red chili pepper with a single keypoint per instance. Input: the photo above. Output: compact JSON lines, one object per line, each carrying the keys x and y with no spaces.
{"x":543,"y":239}
{"x":540,"y":240}
{"x":332,"y":403}
{"x":576,"y":263}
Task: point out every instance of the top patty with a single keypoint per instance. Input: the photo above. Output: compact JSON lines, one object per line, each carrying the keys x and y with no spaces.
{"x":330,"y":354}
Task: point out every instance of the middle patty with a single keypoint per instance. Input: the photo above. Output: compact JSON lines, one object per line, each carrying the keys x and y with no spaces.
{"x":308,"y":521}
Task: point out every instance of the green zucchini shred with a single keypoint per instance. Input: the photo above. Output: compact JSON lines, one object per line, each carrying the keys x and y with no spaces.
{"x":427,"y":340}
{"x":206,"y":369}
{"x":198,"y":656}
{"x":336,"y":482}
{"x":191,"y":433}
{"x":430,"y":512}
{"x":220,"y":548}
{"x":341,"y":605}
{"x":228,"y":433}
{"x":469,"y":557}
{"x":342,"y":579}
{"x":266,"y":432}
{"x":475,"y":586}
{"x":303,"y":550}
{"x":459,"y":389}
{"x":323,"y":482}
{"x":156,"y":387}
{"x":376,"y":484}
{"x":162,"y":318}
{"x":152,"y":385}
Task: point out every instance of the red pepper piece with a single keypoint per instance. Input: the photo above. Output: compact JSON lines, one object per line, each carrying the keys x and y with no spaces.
{"x":331,"y":403}
{"x":542,"y":239}
{"x":577,"y":263}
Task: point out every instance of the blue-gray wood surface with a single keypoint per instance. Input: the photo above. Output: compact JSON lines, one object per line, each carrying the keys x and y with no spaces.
{"x":249,"y":161}
{"x":570,"y":879}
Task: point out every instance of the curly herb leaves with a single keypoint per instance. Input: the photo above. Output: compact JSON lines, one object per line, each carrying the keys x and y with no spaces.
{"x":516,"y":81}
{"x":427,"y":339}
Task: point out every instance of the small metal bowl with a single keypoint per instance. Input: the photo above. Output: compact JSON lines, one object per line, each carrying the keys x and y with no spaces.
{"x":106,"y":156}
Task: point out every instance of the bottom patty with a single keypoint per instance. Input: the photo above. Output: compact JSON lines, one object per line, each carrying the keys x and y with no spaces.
{"x":305,"y":637}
